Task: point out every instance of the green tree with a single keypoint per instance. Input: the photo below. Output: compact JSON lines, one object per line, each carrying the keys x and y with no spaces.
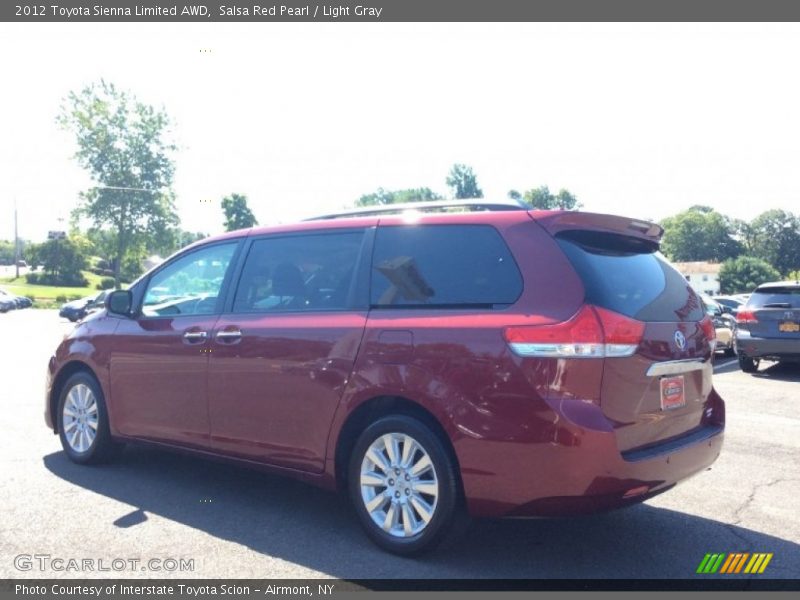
{"x":237,"y":214}
{"x":7,"y":252}
{"x":744,"y":233}
{"x":63,"y":261}
{"x":184,"y":238}
{"x":542,"y":198}
{"x":702,"y":208}
{"x":123,"y":144}
{"x":382,"y":197}
{"x":744,"y":274}
{"x":699,"y":234}
{"x":464,"y":182}
{"x":33,"y":254}
{"x":776,"y":239}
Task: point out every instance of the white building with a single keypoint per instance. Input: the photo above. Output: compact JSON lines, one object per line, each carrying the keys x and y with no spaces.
{"x":702,"y":276}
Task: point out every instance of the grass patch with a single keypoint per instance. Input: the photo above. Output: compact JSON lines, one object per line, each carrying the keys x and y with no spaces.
{"x":44,"y":296}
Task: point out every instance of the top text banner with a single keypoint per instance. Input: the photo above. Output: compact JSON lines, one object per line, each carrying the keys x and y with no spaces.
{"x":403,"y":10}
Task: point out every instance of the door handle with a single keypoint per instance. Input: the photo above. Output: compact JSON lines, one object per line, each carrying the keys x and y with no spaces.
{"x":229,"y":336}
{"x":195,"y":336}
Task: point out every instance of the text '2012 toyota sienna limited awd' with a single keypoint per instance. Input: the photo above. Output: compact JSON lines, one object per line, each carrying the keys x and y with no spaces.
{"x":474,"y":359}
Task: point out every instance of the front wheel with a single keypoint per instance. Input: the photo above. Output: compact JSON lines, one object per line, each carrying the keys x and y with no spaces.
{"x":83,"y":421}
{"x":404,"y":486}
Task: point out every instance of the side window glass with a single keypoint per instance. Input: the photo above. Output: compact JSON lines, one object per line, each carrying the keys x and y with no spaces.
{"x":302,"y":273}
{"x":190,"y":285}
{"x":443,"y":265}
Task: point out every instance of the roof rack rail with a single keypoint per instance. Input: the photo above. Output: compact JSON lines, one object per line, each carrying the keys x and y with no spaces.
{"x":386,"y":209}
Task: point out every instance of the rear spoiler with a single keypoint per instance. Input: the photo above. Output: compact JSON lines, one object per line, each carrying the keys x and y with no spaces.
{"x":558,"y":221}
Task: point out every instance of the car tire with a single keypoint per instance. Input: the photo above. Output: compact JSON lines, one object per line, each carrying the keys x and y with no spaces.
{"x":747,"y":364}
{"x":404,"y":486}
{"x":83,"y":422}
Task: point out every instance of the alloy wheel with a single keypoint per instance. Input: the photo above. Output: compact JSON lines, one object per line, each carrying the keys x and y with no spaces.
{"x":80,"y":418}
{"x":399,"y":485}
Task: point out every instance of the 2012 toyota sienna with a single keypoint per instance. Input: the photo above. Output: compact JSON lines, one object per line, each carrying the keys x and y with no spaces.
{"x":453,"y":359}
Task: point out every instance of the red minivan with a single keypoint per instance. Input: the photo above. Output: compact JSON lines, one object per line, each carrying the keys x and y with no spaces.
{"x":435,"y":361}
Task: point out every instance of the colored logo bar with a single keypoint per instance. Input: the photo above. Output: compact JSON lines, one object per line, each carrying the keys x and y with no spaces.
{"x":734,"y":562}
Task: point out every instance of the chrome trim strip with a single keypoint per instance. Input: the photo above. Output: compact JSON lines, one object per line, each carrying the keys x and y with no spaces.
{"x":676,"y":367}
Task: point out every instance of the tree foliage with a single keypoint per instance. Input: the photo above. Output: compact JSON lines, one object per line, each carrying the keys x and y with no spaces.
{"x":464,"y":182}
{"x":542,"y":198}
{"x":237,"y":214}
{"x":699,"y":234}
{"x":184,"y":238}
{"x":123,"y":144}
{"x":63,"y":261}
{"x":744,"y":274}
{"x":382,"y":197}
{"x":775,"y":238}
{"x":7,"y":253}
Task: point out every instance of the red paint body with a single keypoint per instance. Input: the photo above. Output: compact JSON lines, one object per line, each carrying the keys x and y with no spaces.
{"x":532,"y":436}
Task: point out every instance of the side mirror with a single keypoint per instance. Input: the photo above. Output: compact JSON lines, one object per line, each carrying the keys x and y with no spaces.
{"x":120,"y":302}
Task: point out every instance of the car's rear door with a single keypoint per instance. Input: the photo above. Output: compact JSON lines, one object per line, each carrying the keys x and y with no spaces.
{"x":283,"y":351}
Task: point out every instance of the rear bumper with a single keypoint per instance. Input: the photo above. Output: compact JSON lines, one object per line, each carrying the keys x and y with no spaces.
{"x":581,"y":470}
{"x":756,"y":347}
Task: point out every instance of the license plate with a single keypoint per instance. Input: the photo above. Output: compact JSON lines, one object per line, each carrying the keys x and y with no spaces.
{"x":672,"y":393}
{"x":789,"y":326}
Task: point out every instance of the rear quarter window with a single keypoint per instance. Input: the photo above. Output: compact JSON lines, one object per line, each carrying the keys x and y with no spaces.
{"x":630,"y":277}
{"x":443,"y":265}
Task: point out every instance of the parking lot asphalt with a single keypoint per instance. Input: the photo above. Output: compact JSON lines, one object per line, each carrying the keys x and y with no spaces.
{"x":238,"y":523}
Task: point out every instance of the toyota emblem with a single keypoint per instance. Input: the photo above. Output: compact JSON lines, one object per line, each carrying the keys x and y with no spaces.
{"x":680,"y":340}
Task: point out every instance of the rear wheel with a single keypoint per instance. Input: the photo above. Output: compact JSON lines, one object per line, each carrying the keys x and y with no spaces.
{"x":747,"y":364}
{"x":83,"y":421}
{"x":404,"y":486}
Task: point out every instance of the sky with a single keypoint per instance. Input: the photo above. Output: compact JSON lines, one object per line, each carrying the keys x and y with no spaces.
{"x":642,"y":120}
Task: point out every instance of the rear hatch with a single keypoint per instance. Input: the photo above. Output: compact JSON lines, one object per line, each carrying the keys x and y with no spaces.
{"x":772,"y":311}
{"x":659,"y":388}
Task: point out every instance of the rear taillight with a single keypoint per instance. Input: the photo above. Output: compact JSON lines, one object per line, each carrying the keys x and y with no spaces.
{"x":592,"y":332}
{"x":707,"y":325}
{"x":746,"y":316}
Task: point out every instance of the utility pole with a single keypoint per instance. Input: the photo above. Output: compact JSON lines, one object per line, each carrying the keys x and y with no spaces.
{"x":16,"y":240}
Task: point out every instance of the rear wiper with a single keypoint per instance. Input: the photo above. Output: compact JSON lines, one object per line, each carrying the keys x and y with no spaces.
{"x":777,"y":305}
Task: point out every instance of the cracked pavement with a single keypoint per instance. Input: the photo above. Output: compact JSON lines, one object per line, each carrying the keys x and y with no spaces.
{"x":239,"y":523}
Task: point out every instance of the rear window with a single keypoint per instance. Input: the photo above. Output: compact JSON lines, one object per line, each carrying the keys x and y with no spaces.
{"x":444,"y":266}
{"x":629,"y":276}
{"x":775,"y":297}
